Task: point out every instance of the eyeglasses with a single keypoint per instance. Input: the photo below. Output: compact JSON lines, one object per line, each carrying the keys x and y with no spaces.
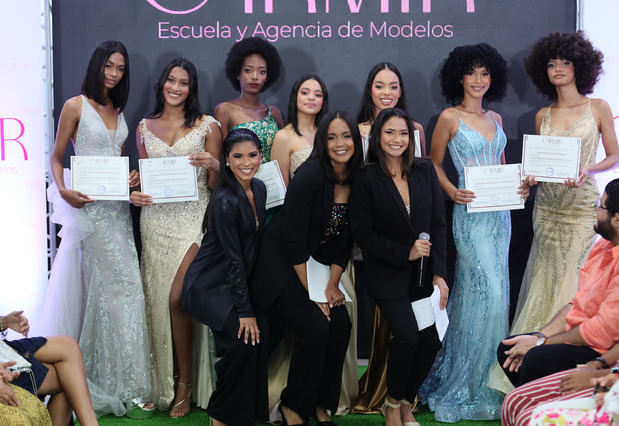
{"x":598,"y":204}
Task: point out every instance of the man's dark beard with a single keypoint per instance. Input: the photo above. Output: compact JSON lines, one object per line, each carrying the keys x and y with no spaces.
{"x":605,"y":229}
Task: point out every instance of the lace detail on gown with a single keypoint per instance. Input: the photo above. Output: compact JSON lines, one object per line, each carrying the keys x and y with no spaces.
{"x":478,"y":304}
{"x":113,"y":340}
{"x":168,"y":230}
{"x":563,"y":220}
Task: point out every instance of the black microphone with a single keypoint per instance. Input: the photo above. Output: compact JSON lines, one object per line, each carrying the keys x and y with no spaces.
{"x":425,"y":237}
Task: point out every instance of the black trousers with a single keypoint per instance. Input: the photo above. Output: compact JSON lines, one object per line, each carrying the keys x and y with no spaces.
{"x":241,"y":395}
{"x":411,"y":352}
{"x":543,"y":360}
{"x":315,"y":375}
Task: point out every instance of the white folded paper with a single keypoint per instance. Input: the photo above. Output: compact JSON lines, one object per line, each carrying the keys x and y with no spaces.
{"x":101,"y":178}
{"x":169,"y":179}
{"x":317,"y":279}
{"x":427,"y":312}
{"x":550,"y":158}
{"x":495,"y":187}
{"x":271,"y":175}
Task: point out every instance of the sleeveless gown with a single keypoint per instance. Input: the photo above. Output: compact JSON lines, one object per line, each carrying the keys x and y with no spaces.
{"x":265,"y":129}
{"x":279,"y":360}
{"x":113,"y":339}
{"x":563,"y":220}
{"x":478,"y":304}
{"x":168,"y":230}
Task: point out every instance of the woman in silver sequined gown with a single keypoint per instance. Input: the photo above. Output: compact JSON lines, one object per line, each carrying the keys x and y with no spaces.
{"x":171,"y":236}
{"x":113,"y":338}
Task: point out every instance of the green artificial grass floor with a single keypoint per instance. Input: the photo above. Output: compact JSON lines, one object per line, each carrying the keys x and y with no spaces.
{"x":199,"y":417}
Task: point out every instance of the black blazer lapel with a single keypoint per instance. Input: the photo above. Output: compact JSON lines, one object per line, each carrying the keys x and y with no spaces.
{"x":392,"y":190}
{"x":260,"y":200}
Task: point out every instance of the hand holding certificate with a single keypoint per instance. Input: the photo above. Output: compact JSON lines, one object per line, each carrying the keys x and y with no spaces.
{"x":317,"y":279}
{"x":495,"y":187}
{"x":101,"y":178}
{"x":169,"y":179}
{"x":271,"y":175}
{"x":550,"y":158}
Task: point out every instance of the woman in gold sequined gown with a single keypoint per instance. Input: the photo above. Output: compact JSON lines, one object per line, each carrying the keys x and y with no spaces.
{"x":171,"y":235}
{"x":564,"y":68}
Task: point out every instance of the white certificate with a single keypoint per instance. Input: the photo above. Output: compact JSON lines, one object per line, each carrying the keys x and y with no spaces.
{"x":495,"y":187}
{"x":317,"y":279}
{"x":169,"y":179}
{"x":101,"y":178}
{"x":271,"y":175}
{"x":550,"y":158}
{"x":417,"y":139}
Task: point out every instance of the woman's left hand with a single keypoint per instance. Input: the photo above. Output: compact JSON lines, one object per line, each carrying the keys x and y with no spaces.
{"x":582,"y":177}
{"x":17,"y":322}
{"x":204,"y":159}
{"x":443,"y":289}
{"x":248,"y":328}
{"x":523,"y":190}
{"x":334,"y":296}
{"x":134,"y":179}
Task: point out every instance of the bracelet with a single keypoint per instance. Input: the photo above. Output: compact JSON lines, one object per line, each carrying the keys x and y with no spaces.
{"x":602,"y":362}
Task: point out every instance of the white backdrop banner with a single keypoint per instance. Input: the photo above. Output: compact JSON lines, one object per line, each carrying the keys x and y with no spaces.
{"x":599,"y":19}
{"x":23,"y":246}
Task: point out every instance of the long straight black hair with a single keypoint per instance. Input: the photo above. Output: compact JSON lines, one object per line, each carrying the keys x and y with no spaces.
{"x":367,"y":109}
{"x":92,"y":86}
{"x":192,"y":103}
{"x":226,"y":181}
{"x":294,"y":95}
{"x":321,"y":146}
{"x":375,"y":151}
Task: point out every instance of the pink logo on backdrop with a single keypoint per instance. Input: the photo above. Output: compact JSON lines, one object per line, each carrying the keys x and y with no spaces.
{"x":6,"y":138}
{"x":312,"y":7}
{"x":156,"y":5}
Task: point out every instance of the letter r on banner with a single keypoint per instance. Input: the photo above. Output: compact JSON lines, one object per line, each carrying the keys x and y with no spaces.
{"x":4,"y":139}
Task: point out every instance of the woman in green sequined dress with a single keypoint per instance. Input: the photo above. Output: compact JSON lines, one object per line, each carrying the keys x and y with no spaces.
{"x":252,"y":66}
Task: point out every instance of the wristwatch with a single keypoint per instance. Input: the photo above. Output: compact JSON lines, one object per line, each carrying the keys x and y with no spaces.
{"x":541,"y":341}
{"x":602,"y":362}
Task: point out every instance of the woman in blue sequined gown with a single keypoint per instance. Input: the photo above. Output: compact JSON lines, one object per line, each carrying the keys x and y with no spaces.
{"x":456,"y":387}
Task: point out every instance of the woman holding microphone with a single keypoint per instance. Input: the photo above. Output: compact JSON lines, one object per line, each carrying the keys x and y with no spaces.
{"x":393,"y":202}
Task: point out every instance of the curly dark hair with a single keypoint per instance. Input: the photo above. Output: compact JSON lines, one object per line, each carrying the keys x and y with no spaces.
{"x":191,"y":108}
{"x":612,"y":196}
{"x":249,"y":46}
{"x":464,"y":59}
{"x":573,"y":47}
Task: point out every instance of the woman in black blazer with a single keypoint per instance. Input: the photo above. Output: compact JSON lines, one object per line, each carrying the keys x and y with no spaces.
{"x":394,"y":199}
{"x":215,"y":289}
{"x":313,"y":222}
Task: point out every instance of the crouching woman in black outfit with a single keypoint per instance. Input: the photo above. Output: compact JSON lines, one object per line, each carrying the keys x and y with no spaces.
{"x":313,"y":222}
{"x":215,"y":289}
{"x":394,"y":199}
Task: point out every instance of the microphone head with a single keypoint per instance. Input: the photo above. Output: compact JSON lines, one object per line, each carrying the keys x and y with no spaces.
{"x":424,"y":236}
